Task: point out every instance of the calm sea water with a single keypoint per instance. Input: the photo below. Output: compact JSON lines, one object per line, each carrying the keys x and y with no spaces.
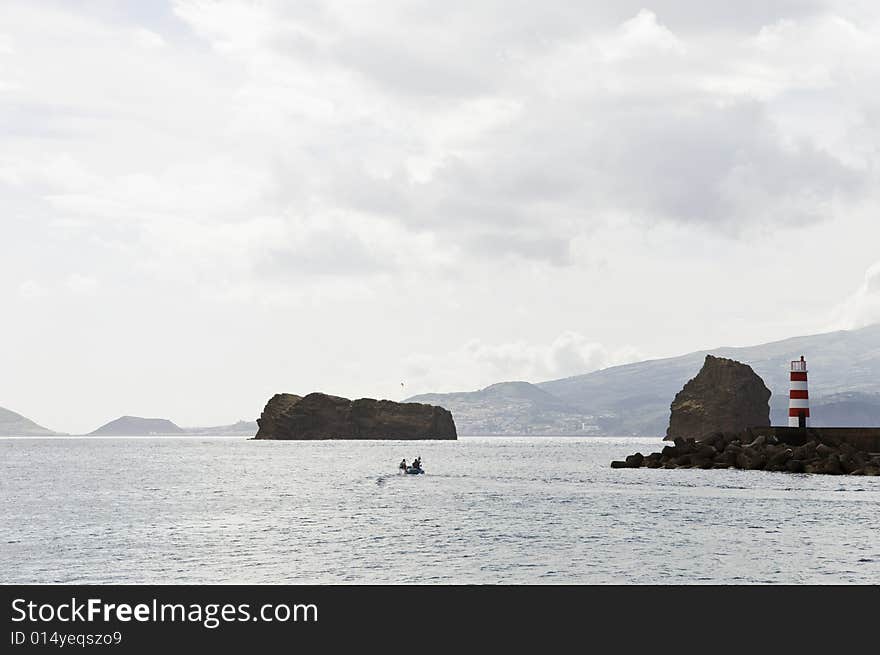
{"x":489,"y":510}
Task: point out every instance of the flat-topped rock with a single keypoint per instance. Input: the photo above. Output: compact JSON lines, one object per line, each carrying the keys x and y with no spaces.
{"x":321,"y":416}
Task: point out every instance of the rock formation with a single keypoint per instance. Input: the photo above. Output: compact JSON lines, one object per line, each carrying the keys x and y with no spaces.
{"x":320,"y":416}
{"x":746,"y":450}
{"x":725,"y":396}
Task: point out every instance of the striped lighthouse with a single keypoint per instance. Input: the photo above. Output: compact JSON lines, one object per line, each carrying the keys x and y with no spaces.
{"x":799,"y":397}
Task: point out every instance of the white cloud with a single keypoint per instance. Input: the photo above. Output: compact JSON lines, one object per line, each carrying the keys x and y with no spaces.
{"x":642,"y":35}
{"x":147,"y":38}
{"x":359,"y":181}
{"x":81,"y":285}
{"x":32,"y":290}
{"x":862,"y":307}
{"x":482,"y":363}
{"x":452,"y":129}
{"x":6,"y":47}
{"x":8,"y":79}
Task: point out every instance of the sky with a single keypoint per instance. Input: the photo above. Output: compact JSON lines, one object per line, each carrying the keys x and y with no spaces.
{"x":206,"y":203}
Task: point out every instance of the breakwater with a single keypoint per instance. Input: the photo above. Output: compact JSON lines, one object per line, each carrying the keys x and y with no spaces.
{"x":863,"y":439}
{"x":760,"y":450}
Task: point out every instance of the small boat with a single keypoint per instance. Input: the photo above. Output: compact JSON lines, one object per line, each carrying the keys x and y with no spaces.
{"x":412,"y":469}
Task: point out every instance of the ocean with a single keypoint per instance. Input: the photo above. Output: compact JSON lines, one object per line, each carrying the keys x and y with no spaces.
{"x":488,"y":510}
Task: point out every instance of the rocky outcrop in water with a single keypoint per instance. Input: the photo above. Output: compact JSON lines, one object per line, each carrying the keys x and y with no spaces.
{"x":321,"y":416}
{"x":725,"y":396}
{"x":746,"y":450}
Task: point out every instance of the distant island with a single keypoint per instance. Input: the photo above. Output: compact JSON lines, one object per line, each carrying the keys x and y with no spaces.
{"x":136,"y":426}
{"x":321,"y":416}
{"x":16,"y":425}
{"x":239,"y":429}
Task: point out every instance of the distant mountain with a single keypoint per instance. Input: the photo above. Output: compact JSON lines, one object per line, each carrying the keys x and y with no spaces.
{"x":16,"y":425}
{"x":135,"y":426}
{"x":510,"y":408}
{"x":239,"y":429}
{"x":634,"y":399}
{"x":847,"y":410}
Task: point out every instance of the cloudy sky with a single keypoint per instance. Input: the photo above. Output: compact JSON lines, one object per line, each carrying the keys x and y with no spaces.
{"x":204,"y":203}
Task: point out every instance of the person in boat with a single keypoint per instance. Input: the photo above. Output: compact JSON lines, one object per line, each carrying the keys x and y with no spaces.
{"x":402,"y":466}
{"x":417,"y":463}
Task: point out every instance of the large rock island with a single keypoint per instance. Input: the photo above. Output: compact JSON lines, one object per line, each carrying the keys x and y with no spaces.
{"x":321,"y":416}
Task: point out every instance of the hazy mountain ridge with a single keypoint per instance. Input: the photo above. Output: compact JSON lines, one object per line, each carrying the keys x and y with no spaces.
{"x":237,"y":429}
{"x":13,"y":424}
{"x":511,"y":408}
{"x":634,"y":399}
{"x":136,"y":426}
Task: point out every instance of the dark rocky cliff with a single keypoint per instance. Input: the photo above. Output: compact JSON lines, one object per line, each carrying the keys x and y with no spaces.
{"x":321,"y":416}
{"x":725,"y":396}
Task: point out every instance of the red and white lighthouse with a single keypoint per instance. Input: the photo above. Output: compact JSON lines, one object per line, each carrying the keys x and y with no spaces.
{"x":799,"y":397}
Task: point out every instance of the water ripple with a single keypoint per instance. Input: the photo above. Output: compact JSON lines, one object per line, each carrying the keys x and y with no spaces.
{"x":533,"y":510}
